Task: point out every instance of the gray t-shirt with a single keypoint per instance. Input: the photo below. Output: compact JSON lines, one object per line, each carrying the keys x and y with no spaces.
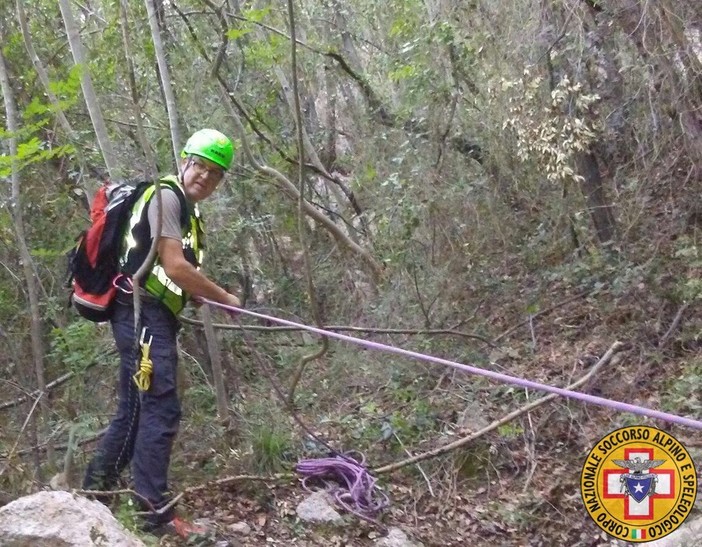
{"x":170,"y":222}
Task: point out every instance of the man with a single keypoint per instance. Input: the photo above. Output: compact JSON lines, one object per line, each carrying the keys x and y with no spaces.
{"x":146,"y":422}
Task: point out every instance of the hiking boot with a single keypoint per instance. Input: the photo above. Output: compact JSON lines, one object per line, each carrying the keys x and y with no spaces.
{"x":183,"y":529}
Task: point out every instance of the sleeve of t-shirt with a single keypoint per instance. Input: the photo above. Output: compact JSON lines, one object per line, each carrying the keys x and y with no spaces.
{"x":170,"y":222}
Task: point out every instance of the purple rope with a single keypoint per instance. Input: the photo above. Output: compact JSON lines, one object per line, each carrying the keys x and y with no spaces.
{"x":353,"y":487}
{"x":504,"y":378}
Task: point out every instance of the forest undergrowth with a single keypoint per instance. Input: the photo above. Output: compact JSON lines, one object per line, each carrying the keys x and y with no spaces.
{"x":515,"y":485}
{"x":510,"y":185}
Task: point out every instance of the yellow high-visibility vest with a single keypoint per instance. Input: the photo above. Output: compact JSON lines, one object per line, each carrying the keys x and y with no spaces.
{"x":137,"y":242}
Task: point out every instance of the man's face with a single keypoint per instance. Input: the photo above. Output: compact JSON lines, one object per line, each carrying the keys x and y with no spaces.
{"x":200,"y":177}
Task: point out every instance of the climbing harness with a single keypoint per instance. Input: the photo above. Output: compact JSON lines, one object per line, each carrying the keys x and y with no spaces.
{"x":142,"y":377}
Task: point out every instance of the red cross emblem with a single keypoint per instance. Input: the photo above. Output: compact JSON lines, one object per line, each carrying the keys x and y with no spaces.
{"x":634,"y":510}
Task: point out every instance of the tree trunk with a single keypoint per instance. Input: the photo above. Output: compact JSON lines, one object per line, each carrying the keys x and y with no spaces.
{"x":41,"y":71}
{"x":348,"y":47}
{"x":165,"y":81}
{"x":141,"y":135}
{"x":676,"y":65}
{"x":25,"y":256}
{"x":44,"y":79}
{"x":216,"y":362}
{"x":597,"y":205}
{"x":86,"y":84}
{"x":330,"y":140}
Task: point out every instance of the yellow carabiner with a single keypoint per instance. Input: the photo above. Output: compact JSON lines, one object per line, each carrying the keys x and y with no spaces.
{"x":142,"y":377}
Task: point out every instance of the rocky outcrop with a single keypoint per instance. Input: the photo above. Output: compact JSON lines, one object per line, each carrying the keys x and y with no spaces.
{"x":61,"y":519}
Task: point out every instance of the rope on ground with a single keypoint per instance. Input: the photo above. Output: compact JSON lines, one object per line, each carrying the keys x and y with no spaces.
{"x":348,"y":481}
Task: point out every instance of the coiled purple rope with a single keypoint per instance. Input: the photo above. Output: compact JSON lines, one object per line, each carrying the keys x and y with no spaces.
{"x":348,"y":482}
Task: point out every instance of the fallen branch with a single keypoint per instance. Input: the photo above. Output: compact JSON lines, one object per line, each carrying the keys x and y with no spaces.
{"x":24,"y":398}
{"x":112,"y":493}
{"x":59,"y":381}
{"x":240,"y":478}
{"x":42,"y":446}
{"x":542,"y":312}
{"x":615,"y":348}
{"x":160,"y":510}
{"x":674,"y":325}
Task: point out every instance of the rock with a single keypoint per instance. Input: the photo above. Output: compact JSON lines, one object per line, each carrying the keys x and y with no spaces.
{"x":61,"y":519}
{"x":242,"y":528}
{"x":317,"y":508}
{"x":690,"y":533}
{"x":472,"y":418}
{"x":396,"y":538}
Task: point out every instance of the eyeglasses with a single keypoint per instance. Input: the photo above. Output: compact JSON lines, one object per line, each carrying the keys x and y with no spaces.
{"x":213,"y":174}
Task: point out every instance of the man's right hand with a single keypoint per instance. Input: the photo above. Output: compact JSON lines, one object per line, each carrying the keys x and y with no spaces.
{"x":232,"y":301}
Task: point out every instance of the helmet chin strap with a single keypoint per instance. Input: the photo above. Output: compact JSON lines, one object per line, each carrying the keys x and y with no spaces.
{"x":181,"y":174}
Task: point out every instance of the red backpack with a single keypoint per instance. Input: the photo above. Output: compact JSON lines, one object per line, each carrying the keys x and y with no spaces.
{"x":93,"y":265}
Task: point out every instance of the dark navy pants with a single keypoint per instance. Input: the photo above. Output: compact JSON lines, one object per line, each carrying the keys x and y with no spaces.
{"x":145,"y":424}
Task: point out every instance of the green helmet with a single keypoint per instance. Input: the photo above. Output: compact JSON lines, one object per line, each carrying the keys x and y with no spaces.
{"x":212,"y":145}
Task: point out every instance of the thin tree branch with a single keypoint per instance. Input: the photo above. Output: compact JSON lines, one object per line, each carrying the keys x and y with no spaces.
{"x":674,"y":325}
{"x":42,"y":447}
{"x":345,"y":328}
{"x":301,"y":226}
{"x":104,"y":493}
{"x":419,"y":467}
{"x":219,"y":58}
{"x":19,"y":435}
{"x":60,"y":380}
{"x":239,"y":478}
{"x":531,"y":317}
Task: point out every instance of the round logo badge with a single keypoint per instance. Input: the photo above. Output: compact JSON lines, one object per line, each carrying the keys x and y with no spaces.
{"x":638,"y":483}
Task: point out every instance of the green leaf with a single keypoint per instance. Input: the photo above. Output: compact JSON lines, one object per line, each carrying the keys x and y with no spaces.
{"x":236,"y":33}
{"x":26,"y":149}
{"x":256,"y":15}
{"x":532,"y":308}
{"x":402,"y":73}
{"x":46,"y":253}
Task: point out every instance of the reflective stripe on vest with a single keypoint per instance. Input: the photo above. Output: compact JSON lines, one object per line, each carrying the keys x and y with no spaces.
{"x":157,"y":283}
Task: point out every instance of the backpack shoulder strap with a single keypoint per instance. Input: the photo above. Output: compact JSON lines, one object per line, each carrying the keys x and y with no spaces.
{"x":167,"y":183}
{"x":170,"y":182}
